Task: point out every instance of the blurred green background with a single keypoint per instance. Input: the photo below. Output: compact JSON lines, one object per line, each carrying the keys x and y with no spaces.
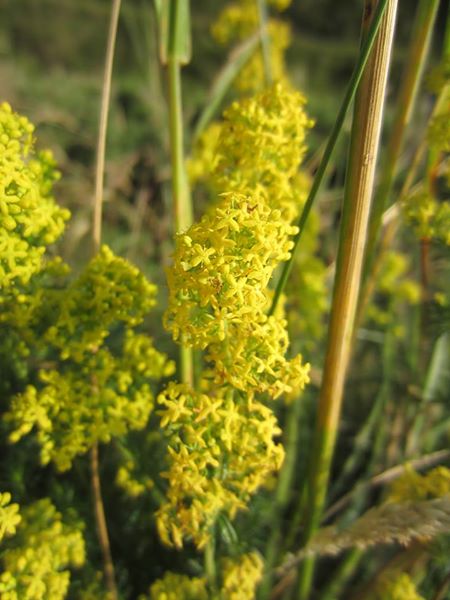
{"x":51,"y":62}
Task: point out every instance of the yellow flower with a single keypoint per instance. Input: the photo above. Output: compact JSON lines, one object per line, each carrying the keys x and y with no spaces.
{"x":243,"y":240}
{"x":9,"y":515}
{"x":109,"y":291}
{"x":429,"y":217}
{"x":102,"y":397}
{"x":395,"y":586}
{"x":221,"y":450}
{"x":30,"y":219}
{"x":240,"y":576}
{"x":413,"y":486}
{"x":179,"y":587}
{"x":237,"y":22}
{"x":36,"y":563}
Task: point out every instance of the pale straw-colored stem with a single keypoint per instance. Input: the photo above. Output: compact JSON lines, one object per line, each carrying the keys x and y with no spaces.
{"x":102,"y":529}
{"x":366,"y":129}
{"x":99,"y":512}
{"x":104,"y":111}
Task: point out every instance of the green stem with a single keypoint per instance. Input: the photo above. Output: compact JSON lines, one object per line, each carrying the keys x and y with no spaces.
{"x":102,"y":529}
{"x":442,"y":591}
{"x":364,"y":146}
{"x":363,"y":439}
{"x":348,"y":98}
{"x":282,"y":496}
{"x":180,"y":190}
{"x":210,"y":564}
{"x":222,"y":83}
{"x":343,"y":573}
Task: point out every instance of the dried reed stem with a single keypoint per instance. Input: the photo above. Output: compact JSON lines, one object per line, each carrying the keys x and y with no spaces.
{"x":99,"y":512}
{"x":102,"y":530}
{"x":104,"y":110}
{"x":365,"y":138}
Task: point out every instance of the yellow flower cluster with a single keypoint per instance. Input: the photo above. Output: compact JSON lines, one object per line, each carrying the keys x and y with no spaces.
{"x":221,"y":450}
{"x":128,"y":483}
{"x":223,"y":264}
{"x":253,"y":359}
{"x":89,"y":402}
{"x":412,"y":486}
{"x":429,"y":217}
{"x":395,"y":586}
{"x":35,"y":565}
{"x":205,"y":155}
{"x":252,"y":150}
{"x":87,"y":392}
{"x":258,"y":147}
{"x":9,"y":515}
{"x":262,"y":145}
{"x":109,"y":291}
{"x":393,"y":287}
{"x":237,"y":22}
{"x":306,"y":291}
{"x":24,"y":308}
{"x":179,"y":587}
{"x":30,"y":219}
{"x":221,"y":447}
{"x":424,"y":210}
{"x":241,"y":576}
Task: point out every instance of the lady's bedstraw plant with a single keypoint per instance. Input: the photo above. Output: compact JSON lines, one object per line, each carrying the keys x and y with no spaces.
{"x":37,"y":560}
{"x":240,"y":577}
{"x":79,"y":371}
{"x":221,"y":438}
{"x":101,"y":392}
{"x":86,"y":389}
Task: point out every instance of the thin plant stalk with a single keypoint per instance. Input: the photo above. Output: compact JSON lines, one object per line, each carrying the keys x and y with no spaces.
{"x":442,"y":591}
{"x":286,"y":573}
{"x":331,"y":144}
{"x":180,"y":188}
{"x":344,"y":572}
{"x":210,"y":563}
{"x":99,"y":511}
{"x":408,"y":560}
{"x":104,"y":111}
{"x":424,"y":462}
{"x":353,"y":558}
{"x":238,"y":57}
{"x":365,"y":434}
{"x":281,"y":500}
{"x":102,"y":529}
{"x":363,"y":154}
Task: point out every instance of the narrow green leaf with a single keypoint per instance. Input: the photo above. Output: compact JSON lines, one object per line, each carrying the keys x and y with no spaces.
{"x":439,"y":369}
{"x":222,"y":83}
